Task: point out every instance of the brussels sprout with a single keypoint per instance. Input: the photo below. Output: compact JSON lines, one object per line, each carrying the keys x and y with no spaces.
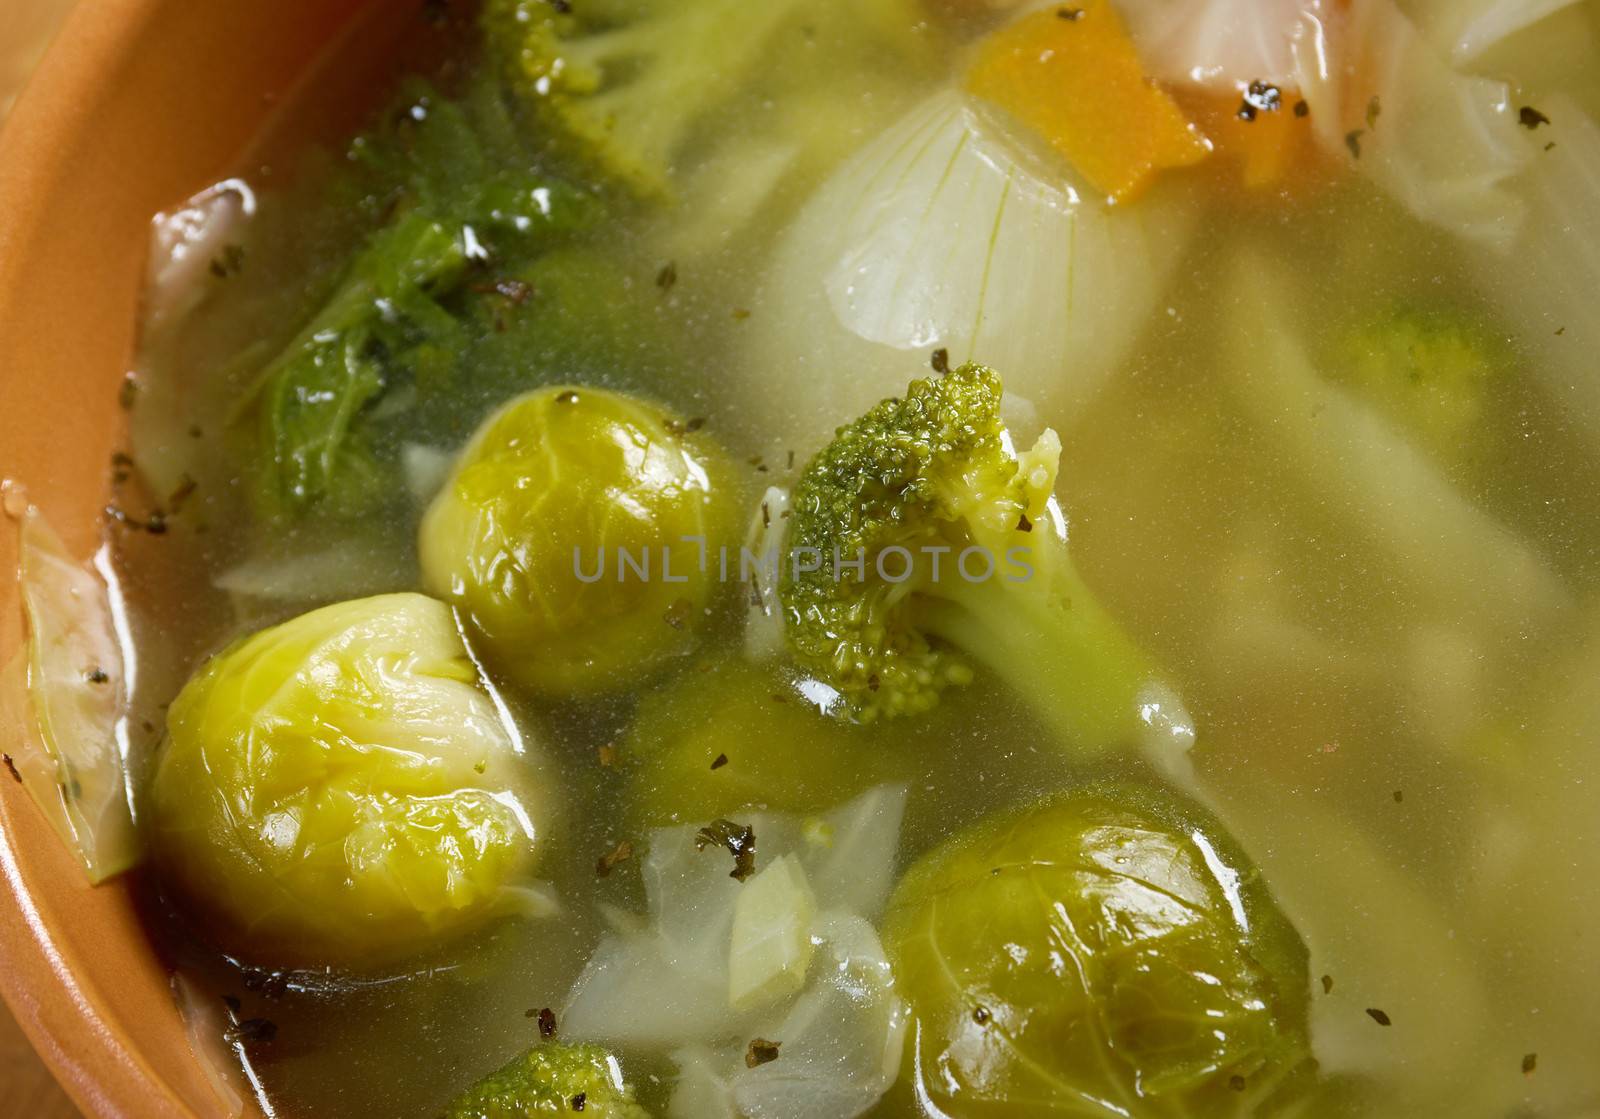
{"x":551,"y":1080}
{"x":727,"y":735}
{"x":338,"y":790}
{"x":1105,"y":952}
{"x":571,"y":537}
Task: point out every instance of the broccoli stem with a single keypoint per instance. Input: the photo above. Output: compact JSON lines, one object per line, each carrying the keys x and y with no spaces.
{"x":1054,"y":645}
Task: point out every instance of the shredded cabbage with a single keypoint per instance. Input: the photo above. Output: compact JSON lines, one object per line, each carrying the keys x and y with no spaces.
{"x":946,"y":233}
{"x":289,"y":572}
{"x":1217,"y":42}
{"x":1323,"y":870}
{"x":1535,"y":864}
{"x":1385,"y":101}
{"x":186,"y":243}
{"x":1547,"y":286}
{"x":64,"y":701}
{"x":1367,"y":475}
{"x":1467,"y":29}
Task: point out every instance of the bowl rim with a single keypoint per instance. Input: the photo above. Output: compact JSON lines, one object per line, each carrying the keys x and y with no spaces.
{"x":101,"y":1073}
{"x":95,"y":1050}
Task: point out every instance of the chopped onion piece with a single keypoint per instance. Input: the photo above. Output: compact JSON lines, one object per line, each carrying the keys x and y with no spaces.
{"x":947,"y":233}
{"x":840,"y":1046}
{"x":426,"y":470}
{"x":771,"y":943}
{"x":664,"y":981}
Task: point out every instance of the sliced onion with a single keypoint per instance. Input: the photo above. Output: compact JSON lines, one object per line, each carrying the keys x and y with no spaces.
{"x":1385,"y":101}
{"x":946,"y":233}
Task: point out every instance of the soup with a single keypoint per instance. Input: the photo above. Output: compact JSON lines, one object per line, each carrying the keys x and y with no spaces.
{"x":905,"y":558}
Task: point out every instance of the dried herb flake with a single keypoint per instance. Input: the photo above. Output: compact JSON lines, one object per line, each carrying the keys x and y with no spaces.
{"x":128,"y":393}
{"x":719,"y":761}
{"x":739,"y":840}
{"x":251,"y":1031}
{"x":1531,"y":118}
{"x":228,"y":262}
{"x":1530,"y":1062}
{"x":1259,"y":97}
{"x":761,"y":1052}
{"x":679,"y":613}
{"x":621,"y":853}
{"x":1378,"y":1016}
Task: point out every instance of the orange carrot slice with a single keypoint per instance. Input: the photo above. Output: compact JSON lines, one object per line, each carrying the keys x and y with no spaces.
{"x":1263,"y":138}
{"x":1072,"y":75}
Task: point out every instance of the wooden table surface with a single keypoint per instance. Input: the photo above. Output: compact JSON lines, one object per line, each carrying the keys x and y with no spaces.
{"x":26,"y":1086}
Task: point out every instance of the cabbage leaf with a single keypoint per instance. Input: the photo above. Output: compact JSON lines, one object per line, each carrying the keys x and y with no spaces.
{"x":65,"y":699}
{"x":1388,"y":104}
{"x":1370,"y":477}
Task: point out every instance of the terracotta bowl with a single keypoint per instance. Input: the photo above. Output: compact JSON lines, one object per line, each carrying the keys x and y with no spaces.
{"x":139,"y":104}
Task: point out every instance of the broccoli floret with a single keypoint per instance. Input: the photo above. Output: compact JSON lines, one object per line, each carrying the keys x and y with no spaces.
{"x":965,"y":555}
{"x":626,"y":82}
{"x":551,"y":1079}
{"x":1429,"y":369}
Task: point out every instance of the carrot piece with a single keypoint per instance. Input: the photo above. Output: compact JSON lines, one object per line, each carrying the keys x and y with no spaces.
{"x":1263,"y":138}
{"x":1072,"y":75}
